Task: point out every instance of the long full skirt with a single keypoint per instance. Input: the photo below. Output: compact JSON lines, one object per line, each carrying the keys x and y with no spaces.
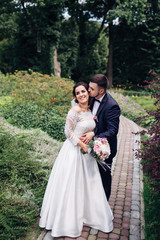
{"x":74,"y":196}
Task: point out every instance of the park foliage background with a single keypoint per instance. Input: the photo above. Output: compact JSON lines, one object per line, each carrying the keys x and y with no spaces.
{"x":34,"y":102}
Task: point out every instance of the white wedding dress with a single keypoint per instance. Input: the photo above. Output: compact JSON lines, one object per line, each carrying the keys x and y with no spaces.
{"x":74,"y":195}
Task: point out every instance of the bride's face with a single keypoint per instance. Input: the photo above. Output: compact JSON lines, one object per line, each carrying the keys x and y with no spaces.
{"x":81,"y":93}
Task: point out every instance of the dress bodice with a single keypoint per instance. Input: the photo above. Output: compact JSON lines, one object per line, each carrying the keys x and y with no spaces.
{"x":78,"y":123}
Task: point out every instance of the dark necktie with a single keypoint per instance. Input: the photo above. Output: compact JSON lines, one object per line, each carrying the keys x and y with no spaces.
{"x":97,"y":100}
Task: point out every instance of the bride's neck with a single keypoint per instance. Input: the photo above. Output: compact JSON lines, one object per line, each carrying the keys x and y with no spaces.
{"x":84,"y":107}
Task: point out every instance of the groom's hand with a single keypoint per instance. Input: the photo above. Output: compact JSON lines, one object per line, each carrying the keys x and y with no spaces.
{"x":87,"y":137}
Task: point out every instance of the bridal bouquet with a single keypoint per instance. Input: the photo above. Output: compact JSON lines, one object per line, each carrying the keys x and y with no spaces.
{"x":100,"y":150}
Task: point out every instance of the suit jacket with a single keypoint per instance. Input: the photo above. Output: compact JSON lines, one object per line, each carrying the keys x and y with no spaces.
{"x":107,"y":122}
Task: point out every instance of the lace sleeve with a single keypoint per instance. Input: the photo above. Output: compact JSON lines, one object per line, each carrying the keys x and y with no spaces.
{"x":71,"y":121}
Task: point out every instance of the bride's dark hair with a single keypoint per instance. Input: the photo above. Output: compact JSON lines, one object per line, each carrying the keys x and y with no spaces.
{"x":77,"y":85}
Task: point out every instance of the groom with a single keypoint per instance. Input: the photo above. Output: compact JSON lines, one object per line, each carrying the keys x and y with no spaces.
{"x":106,"y":111}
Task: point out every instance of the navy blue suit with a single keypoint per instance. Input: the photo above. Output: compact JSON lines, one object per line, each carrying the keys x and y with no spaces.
{"x":107,"y":125}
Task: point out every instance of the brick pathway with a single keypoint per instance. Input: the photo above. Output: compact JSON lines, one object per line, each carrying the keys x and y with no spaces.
{"x":125,"y":200}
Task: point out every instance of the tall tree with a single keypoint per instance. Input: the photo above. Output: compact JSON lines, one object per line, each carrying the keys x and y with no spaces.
{"x":38,"y":34}
{"x":106,"y":11}
{"x":141,"y":45}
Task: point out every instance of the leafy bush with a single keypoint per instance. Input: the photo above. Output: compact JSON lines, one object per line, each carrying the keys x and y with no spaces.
{"x":42,"y":89}
{"x":24,"y":168}
{"x":150,"y":155}
{"x":29,"y":116}
{"x":7,"y":84}
{"x":150,"y":148}
{"x":5,"y":100}
{"x":151,"y":211}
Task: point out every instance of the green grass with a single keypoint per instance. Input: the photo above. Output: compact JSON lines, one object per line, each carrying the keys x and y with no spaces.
{"x":26,"y":158}
{"x":145,"y":102}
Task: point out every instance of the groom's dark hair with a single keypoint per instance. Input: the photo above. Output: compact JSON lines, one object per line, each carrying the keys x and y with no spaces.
{"x":101,"y":80}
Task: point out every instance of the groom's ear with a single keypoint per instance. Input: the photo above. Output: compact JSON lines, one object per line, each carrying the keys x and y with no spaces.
{"x":102,"y":91}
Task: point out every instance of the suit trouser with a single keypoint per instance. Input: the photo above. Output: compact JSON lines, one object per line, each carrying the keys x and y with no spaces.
{"x":106,"y":180}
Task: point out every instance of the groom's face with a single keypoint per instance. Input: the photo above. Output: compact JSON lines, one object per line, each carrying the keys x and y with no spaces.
{"x":94,"y":90}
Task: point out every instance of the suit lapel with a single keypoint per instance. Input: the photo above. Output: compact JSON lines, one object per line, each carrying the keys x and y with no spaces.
{"x":102,"y":104}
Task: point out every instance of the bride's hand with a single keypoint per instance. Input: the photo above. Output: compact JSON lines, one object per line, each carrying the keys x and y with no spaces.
{"x":87,"y":137}
{"x":85,"y":148}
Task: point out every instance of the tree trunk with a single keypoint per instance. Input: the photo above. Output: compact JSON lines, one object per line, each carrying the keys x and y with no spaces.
{"x":110,"y":57}
{"x":55,"y":66}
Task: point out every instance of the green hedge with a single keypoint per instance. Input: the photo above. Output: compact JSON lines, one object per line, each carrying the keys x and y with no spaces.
{"x":29,"y":116}
{"x":32,"y":87}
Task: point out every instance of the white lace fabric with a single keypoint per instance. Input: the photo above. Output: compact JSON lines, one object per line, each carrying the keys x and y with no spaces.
{"x":78,"y":123}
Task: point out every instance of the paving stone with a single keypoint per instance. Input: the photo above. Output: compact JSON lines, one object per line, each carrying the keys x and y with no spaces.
{"x":86,"y":229}
{"x":79,"y":238}
{"x":122,"y":184}
{"x":132,"y":237}
{"x":84,"y":234}
{"x":126,"y":214}
{"x":136,"y":203}
{"x":135,"y":207}
{"x":135,"y":214}
{"x":117,"y":211}
{"x":123,"y":238}
{"x":135,"y":221}
{"x":118,"y":225}
{"x":42,"y":235}
{"x":127,"y":203}
{"x":102,"y":235}
{"x":117,"y":220}
{"x":127,"y":208}
{"x":91,"y":237}
{"x":121,"y":195}
{"x":116,"y":230}
{"x":126,"y":220}
{"x":70,"y":238}
{"x":125,"y":225}
{"x":100,"y":238}
{"x":48,"y":236}
{"x":135,"y":192}
{"x":134,"y":230}
{"x":125,"y":232}
{"x":118,"y":207}
{"x":93,"y":231}
{"x":113,"y":236}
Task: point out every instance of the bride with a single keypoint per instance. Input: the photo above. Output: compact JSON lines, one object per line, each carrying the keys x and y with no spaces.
{"x":74,"y":196}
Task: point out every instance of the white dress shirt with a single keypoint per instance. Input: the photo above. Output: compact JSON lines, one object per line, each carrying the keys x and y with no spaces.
{"x":96,"y":105}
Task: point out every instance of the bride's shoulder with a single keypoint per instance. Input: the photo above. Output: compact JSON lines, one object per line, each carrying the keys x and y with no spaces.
{"x":76,"y":109}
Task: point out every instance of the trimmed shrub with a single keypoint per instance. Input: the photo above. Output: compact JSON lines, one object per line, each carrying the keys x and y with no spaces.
{"x":33,"y":87}
{"x":42,"y":89}
{"x":29,"y":116}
